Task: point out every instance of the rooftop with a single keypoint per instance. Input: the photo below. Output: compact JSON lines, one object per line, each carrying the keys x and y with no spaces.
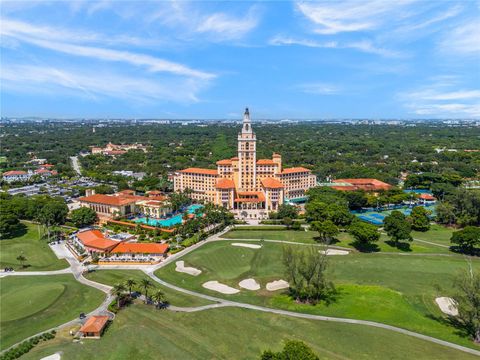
{"x":295,"y":170}
{"x":141,"y":248}
{"x":96,"y":239}
{"x":200,"y":171}
{"x":112,"y":200}
{"x":94,"y":324}
{"x":271,"y":183}
{"x":225,"y":184}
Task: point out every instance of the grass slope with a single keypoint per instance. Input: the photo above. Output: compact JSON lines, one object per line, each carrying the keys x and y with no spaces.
{"x":141,"y":332}
{"x":38,"y":253}
{"x":344,"y":239}
{"x":393,"y":289}
{"x":111,"y":277}
{"x":31,"y":304}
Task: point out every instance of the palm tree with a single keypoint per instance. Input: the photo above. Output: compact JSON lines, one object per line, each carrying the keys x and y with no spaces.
{"x":22,"y":259}
{"x":130,"y":283}
{"x":158,"y":297}
{"x":118,"y":290}
{"x":146,"y":284}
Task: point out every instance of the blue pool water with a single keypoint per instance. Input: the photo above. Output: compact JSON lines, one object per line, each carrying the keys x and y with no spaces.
{"x":177,"y":219}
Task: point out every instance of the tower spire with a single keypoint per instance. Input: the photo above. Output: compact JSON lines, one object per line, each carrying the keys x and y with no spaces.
{"x":246,"y":115}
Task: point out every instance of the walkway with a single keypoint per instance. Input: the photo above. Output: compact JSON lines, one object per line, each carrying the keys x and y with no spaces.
{"x":77,"y":269}
{"x":224,"y":303}
{"x":76,"y":165}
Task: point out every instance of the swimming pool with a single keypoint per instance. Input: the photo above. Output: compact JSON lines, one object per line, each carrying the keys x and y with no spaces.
{"x":177,"y":219}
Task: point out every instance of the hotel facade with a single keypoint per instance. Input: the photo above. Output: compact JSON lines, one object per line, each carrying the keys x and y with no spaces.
{"x":251,"y":188}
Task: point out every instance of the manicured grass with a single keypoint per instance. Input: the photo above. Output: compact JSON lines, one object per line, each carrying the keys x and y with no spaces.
{"x":111,"y":277}
{"x":344,"y":240}
{"x":437,"y":234}
{"x":141,"y":332}
{"x":28,"y":242}
{"x":31,"y":304}
{"x":393,"y":289}
{"x":272,"y":234}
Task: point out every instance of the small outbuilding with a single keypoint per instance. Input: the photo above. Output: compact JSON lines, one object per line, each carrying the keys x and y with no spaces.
{"x":94,"y":326}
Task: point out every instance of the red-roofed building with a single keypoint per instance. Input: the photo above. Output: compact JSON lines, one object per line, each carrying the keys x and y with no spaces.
{"x":16,"y":175}
{"x":94,"y":326}
{"x":94,"y":241}
{"x":150,"y":249}
{"x":245,"y":174}
{"x":361,"y":184}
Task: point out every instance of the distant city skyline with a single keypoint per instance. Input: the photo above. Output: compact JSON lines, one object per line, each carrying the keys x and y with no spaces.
{"x":208,"y":60}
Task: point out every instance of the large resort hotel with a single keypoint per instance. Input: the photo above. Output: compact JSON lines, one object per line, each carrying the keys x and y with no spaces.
{"x":250,"y":188}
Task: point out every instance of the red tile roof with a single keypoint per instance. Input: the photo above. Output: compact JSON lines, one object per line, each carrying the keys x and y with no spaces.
{"x":199,"y":171}
{"x":141,"y":248}
{"x":46,"y":166}
{"x":427,"y":197}
{"x":110,"y":200}
{"x":94,"y":324}
{"x":266,"y":162}
{"x":96,"y":239}
{"x":271,"y":183}
{"x":250,"y":196}
{"x":225,"y":184}
{"x":364,"y":184}
{"x":295,"y":170}
{"x":14,"y":172}
{"x":224,"y":162}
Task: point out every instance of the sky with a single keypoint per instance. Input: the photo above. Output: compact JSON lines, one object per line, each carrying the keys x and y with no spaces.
{"x":282,"y":59}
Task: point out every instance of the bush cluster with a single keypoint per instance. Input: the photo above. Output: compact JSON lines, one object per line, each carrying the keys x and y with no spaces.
{"x":26,"y":346}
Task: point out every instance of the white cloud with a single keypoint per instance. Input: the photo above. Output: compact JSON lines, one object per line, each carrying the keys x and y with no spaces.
{"x":47,"y":38}
{"x":463,"y":39}
{"x":190,"y":21}
{"x":332,"y":17}
{"x":319,"y":88}
{"x":364,"y":45}
{"x":228,"y":27}
{"x":97,"y":85}
{"x":442,"y":98}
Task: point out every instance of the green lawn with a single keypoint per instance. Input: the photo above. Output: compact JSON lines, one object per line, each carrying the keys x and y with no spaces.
{"x":393,"y":289}
{"x":141,"y":332}
{"x":37,"y":251}
{"x":111,"y":277}
{"x":437,"y":234}
{"x":30,"y":304}
{"x":344,"y":239}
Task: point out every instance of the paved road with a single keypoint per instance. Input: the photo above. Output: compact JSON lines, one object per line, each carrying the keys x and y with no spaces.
{"x":76,"y":165}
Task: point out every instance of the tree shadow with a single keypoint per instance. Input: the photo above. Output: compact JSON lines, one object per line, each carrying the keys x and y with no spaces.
{"x":20,"y":230}
{"x":402,"y":246}
{"x":457,"y":249}
{"x":461,"y":329}
{"x":365,"y":248}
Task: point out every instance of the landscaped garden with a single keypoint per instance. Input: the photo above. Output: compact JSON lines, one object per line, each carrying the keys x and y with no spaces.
{"x":390,"y":288}
{"x":31,"y":304}
{"x":140,"y":331}
{"x":28,"y":242}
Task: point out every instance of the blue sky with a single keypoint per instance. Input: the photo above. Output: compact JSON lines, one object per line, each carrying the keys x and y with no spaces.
{"x":324,"y":59}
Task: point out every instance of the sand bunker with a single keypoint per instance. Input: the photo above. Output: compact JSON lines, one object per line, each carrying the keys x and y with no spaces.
{"x":187,"y":270}
{"x":334,"y":252}
{"x":447,"y":305}
{"x":221,"y":288}
{"x":55,"y":356}
{"x":277,"y":285}
{"x":251,"y":246}
{"x":249,"y":284}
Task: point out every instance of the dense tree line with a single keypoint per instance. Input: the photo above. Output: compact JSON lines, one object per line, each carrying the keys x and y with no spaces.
{"x":336,"y":150}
